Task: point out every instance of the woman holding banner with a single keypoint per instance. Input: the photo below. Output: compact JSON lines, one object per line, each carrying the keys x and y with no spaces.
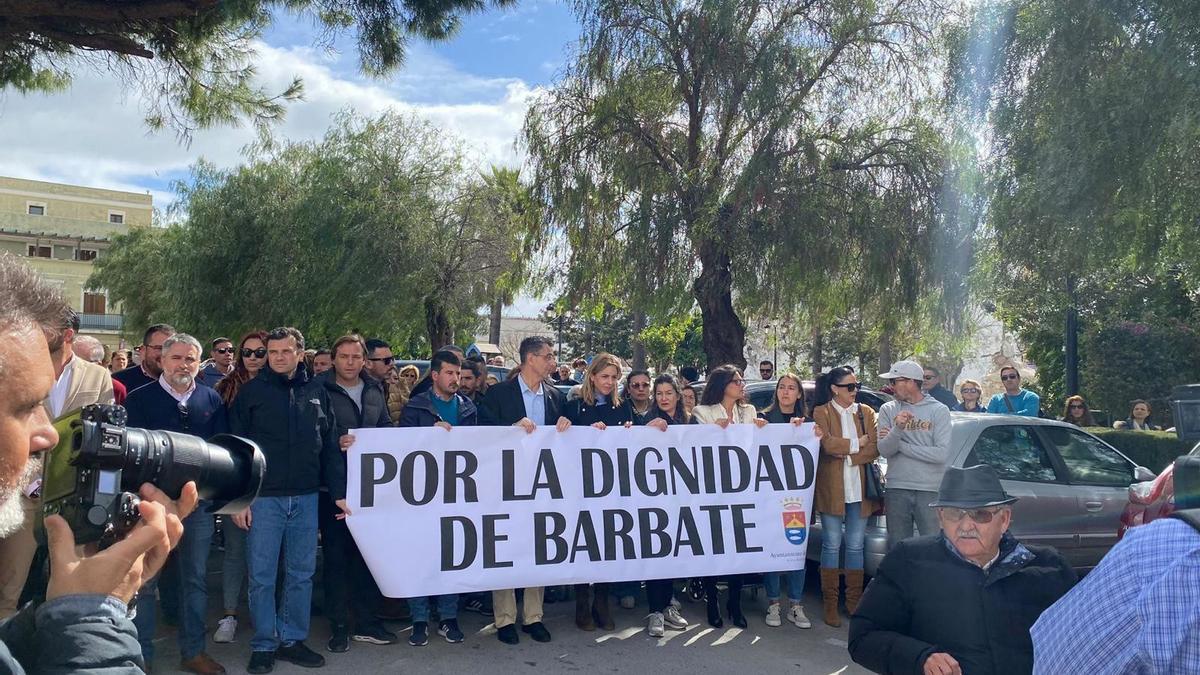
{"x":667,"y":410}
{"x":848,"y":447}
{"x":722,"y":405}
{"x":599,"y":406}
{"x":787,"y":408}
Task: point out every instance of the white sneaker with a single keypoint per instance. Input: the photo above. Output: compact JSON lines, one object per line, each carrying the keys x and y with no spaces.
{"x":628,"y":602}
{"x":655,"y":625}
{"x":675,"y":603}
{"x":673,"y":618}
{"x":796,"y":616}
{"x":773,"y":615}
{"x":226,"y":628}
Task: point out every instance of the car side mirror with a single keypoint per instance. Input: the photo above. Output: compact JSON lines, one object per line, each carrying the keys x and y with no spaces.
{"x":1142,"y":474}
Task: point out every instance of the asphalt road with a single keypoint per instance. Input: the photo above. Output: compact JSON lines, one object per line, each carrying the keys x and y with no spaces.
{"x":628,"y":649}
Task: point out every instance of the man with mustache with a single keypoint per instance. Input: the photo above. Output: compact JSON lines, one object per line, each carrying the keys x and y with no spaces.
{"x":961,"y":601}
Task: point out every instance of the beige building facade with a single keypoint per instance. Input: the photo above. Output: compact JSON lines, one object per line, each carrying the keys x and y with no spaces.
{"x":62,"y":230}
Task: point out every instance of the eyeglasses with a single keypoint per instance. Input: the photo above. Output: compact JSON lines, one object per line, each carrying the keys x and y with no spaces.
{"x":930,"y":377}
{"x":387,"y":360}
{"x":981,"y":516}
{"x":1006,"y":378}
{"x":895,"y":380}
{"x":968,"y":390}
{"x":639,"y":385}
{"x":1076,"y":406}
{"x":260,"y":353}
{"x":224,"y":350}
{"x":849,"y":386}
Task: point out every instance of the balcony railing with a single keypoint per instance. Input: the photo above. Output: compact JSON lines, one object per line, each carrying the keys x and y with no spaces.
{"x":114,"y":322}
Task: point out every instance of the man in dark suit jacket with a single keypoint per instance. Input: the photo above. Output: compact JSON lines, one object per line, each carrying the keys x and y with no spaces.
{"x":525,"y":401}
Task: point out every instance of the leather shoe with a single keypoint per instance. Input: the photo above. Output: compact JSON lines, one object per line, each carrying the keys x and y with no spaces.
{"x":203,"y":664}
{"x":537,"y":631}
{"x":261,"y":662}
{"x":508,"y":635}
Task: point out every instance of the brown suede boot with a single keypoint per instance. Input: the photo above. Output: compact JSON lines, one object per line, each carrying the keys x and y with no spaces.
{"x":854,"y":589}
{"x":583,"y":607}
{"x":600,"y":607}
{"x":830,"y":579}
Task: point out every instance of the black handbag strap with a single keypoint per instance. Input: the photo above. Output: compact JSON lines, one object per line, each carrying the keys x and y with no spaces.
{"x":1008,"y":403}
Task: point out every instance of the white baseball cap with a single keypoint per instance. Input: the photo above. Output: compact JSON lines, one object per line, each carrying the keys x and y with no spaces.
{"x":907,"y":369}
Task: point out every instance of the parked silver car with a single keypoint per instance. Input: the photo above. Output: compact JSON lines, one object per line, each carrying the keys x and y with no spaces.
{"x":1072,"y":486}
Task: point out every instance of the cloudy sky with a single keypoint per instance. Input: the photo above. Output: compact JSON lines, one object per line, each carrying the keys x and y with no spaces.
{"x":478,"y":85}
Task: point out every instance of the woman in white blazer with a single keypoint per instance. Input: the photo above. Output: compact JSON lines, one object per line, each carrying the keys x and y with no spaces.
{"x":722,"y":405}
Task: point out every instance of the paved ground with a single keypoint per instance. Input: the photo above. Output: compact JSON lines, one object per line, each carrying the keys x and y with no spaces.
{"x":628,"y":649}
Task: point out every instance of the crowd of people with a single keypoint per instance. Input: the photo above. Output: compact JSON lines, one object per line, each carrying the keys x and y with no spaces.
{"x":956,"y":593}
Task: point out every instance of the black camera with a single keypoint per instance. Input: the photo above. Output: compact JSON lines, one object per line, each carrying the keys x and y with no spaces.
{"x":92,"y":476}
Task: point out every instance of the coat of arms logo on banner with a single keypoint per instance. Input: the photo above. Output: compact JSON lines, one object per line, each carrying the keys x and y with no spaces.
{"x":794,"y":526}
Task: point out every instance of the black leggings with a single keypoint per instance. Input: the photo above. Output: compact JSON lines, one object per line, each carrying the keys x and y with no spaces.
{"x":658,"y":594}
{"x":735,"y":588}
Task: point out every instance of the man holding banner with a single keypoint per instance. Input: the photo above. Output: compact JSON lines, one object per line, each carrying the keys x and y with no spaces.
{"x":525,"y":401}
{"x":439,"y":406}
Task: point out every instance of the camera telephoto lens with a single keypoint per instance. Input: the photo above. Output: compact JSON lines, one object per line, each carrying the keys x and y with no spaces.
{"x":228,"y":470}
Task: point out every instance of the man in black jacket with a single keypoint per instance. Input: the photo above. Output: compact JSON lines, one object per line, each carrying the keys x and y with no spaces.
{"x":439,"y":406}
{"x":291,"y":420}
{"x":358,"y":402}
{"x":962,"y":601}
{"x":525,"y":401}
{"x":932,"y":385}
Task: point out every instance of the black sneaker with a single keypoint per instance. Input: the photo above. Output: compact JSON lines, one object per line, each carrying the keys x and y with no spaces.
{"x":508,"y":635}
{"x":339,"y":640}
{"x":261,"y":662}
{"x":300,"y":655}
{"x":537,"y":631}
{"x":420,"y":634}
{"x":375,"y":634}
{"x":449,"y":630}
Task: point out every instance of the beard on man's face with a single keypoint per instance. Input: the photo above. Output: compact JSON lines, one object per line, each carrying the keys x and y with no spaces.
{"x":12,"y":513}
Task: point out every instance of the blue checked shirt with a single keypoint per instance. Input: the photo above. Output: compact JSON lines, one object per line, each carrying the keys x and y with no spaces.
{"x":1137,"y":612}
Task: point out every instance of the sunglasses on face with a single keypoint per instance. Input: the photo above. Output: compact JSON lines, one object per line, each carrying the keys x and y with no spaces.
{"x":639,"y":385}
{"x":387,"y":360}
{"x":1006,"y":378}
{"x":224,"y":350}
{"x":260,"y":353}
{"x":930,"y":377}
{"x":981,"y":516}
{"x":1076,"y":406}
{"x":969,"y":390}
{"x":849,"y":386}
{"x":896,"y":380}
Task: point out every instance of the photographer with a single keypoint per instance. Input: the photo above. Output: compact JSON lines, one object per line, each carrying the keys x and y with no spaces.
{"x":83,"y":625}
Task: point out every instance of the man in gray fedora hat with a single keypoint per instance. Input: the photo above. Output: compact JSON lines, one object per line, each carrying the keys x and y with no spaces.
{"x":963,"y":600}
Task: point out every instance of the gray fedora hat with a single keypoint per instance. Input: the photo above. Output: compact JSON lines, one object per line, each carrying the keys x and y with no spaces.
{"x":972,"y":487}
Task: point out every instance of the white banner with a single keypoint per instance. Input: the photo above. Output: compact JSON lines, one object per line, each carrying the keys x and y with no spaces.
{"x":484,"y":508}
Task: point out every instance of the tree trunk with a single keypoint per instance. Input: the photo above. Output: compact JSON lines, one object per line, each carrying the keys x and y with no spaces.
{"x":437,"y":325}
{"x":494,"y":321}
{"x":817,"y":355}
{"x":639,"y":349}
{"x":885,"y":350}
{"x":723,"y":333}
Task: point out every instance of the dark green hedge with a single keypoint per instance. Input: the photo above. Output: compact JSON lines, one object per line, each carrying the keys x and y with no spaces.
{"x":1152,"y":449}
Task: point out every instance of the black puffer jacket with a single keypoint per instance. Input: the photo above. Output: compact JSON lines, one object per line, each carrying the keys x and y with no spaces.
{"x":293,"y":422}
{"x":347,"y":416}
{"x":926,"y":599}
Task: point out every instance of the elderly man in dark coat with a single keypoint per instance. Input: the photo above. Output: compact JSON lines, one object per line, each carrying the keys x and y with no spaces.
{"x":961,"y":601}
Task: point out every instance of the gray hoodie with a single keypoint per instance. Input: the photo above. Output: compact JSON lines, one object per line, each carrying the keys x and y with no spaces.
{"x":916,"y":454}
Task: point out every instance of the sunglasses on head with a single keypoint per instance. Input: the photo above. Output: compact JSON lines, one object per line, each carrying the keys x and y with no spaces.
{"x":981,"y":516}
{"x":849,"y":386}
{"x":387,"y":360}
{"x":260,"y":353}
{"x":224,"y":350}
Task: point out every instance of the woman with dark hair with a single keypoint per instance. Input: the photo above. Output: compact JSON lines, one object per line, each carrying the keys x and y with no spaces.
{"x":599,"y":406}
{"x":787,"y":408}
{"x":667,"y":410}
{"x":1139,"y":418}
{"x":637,"y":392}
{"x":848,"y":446}
{"x":721,"y":405}
{"x":1076,"y":412}
{"x":251,"y":358}
{"x":690,"y":399}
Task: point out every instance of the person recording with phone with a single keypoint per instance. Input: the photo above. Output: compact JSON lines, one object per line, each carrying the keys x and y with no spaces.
{"x":83,"y":625}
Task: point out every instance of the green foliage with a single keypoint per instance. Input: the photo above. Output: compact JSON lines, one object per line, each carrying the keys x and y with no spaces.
{"x":1131,"y":360}
{"x":1151,"y":449}
{"x":592,"y":328}
{"x":194,"y":61}
{"x":776,"y":151}
{"x":378,"y":227}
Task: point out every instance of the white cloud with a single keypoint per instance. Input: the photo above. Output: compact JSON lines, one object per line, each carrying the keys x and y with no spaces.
{"x":93,"y":134}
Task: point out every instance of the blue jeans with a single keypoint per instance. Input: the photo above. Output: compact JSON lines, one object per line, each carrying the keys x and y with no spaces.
{"x":192,"y":558}
{"x":287,"y":524}
{"x":855,"y":538}
{"x":795,"y":582}
{"x":447,"y":606}
{"x":233,"y":565}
